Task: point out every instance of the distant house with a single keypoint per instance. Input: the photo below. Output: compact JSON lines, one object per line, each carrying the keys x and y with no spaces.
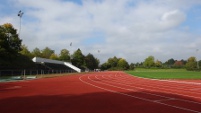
{"x":178,"y":63}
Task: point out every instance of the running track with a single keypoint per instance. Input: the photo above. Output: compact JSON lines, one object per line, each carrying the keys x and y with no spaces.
{"x":101,"y":92}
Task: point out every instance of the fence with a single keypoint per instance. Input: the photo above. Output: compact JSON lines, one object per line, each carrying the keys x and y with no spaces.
{"x":31,"y":72}
{"x":10,"y":75}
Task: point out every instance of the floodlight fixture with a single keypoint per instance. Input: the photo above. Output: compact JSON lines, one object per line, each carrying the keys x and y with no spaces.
{"x":20,"y":13}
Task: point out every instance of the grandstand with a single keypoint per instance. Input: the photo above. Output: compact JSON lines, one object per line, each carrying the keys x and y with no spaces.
{"x":42,"y":66}
{"x":54,"y":65}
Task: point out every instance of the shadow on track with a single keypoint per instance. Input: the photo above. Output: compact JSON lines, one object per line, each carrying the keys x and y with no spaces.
{"x":102,"y":102}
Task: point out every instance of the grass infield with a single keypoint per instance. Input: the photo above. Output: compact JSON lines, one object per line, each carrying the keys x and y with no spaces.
{"x":166,"y":73}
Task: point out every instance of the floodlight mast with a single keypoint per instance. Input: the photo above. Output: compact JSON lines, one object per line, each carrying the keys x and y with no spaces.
{"x":20,"y":13}
{"x":69,"y":52}
{"x":98,"y":53}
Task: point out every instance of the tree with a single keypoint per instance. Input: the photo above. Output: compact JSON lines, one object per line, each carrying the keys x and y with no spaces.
{"x":64,"y":55}
{"x":123,"y":64}
{"x":36,"y":52}
{"x":191,"y":63}
{"x":47,"y":52}
{"x":54,"y":56}
{"x":115,"y":64}
{"x":26,"y":52}
{"x":113,"y":61}
{"x":149,"y":62}
{"x":158,"y":63}
{"x":132,"y":66}
{"x":199,"y":63}
{"x":10,"y":43}
{"x":97,"y":62}
{"x":78,"y":59}
{"x":91,"y":62}
{"x":105,"y":66}
{"x":139,"y":64}
{"x":183,"y":61}
{"x":11,"y":56}
{"x":170,"y":62}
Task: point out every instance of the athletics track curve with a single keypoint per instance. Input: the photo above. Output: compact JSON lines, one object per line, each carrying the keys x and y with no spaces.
{"x":100,"y":92}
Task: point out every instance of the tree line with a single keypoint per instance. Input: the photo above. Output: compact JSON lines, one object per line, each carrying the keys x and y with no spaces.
{"x":14,"y":55}
{"x":78,"y":59}
{"x":190,"y":64}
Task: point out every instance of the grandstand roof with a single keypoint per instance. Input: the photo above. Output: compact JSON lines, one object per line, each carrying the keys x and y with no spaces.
{"x":44,"y":60}
{"x":41,"y":60}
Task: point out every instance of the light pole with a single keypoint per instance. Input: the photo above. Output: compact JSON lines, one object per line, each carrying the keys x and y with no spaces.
{"x":99,"y":60}
{"x":20,"y":13}
{"x":197,"y":59}
{"x":69,"y":52}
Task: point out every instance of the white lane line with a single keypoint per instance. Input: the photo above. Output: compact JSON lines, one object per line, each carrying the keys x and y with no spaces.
{"x":167,"y":91}
{"x":161,"y":81}
{"x":162,"y":100}
{"x":145,"y":89}
{"x":181,"y":108}
{"x":183,"y":82}
{"x":133,"y":89}
{"x":14,"y":87}
{"x":115,"y":82}
{"x":161,"y":86}
{"x":196,"y":89}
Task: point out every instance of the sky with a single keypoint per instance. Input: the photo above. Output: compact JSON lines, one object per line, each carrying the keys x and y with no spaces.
{"x":129,"y":29}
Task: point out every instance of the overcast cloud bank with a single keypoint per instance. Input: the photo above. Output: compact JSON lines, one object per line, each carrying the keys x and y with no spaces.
{"x":132,"y":29}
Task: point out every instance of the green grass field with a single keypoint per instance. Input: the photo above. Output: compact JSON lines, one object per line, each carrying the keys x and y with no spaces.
{"x":166,"y":73}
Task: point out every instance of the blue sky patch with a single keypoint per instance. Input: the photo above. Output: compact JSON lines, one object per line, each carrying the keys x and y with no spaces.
{"x":96,"y":38}
{"x":193,"y":20}
{"x":74,"y":1}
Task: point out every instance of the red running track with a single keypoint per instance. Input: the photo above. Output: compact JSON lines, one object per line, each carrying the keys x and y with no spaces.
{"x":101,"y":92}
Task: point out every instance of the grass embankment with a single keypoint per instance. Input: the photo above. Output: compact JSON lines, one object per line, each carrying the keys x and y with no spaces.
{"x":166,"y":73}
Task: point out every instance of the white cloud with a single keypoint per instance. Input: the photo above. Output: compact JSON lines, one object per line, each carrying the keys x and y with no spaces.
{"x":172,"y":19}
{"x":130,"y":29}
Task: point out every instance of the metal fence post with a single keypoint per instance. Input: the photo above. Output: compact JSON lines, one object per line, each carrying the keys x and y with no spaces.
{"x":24,"y":74}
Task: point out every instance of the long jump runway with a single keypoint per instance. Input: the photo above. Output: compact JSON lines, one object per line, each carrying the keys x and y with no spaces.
{"x":101,"y":92}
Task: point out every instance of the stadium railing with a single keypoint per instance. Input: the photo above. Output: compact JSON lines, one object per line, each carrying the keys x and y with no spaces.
{"x":21,"y":74}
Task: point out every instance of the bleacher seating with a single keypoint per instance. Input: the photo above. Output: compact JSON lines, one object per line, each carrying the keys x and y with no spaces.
{"x":50,"y":67}
{"x":49,"y":64}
